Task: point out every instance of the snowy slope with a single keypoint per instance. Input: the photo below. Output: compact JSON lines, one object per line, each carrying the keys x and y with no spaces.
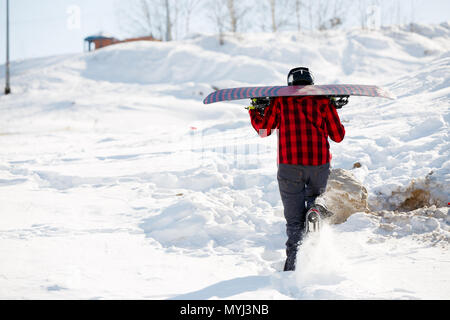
{"x":117,"y":182}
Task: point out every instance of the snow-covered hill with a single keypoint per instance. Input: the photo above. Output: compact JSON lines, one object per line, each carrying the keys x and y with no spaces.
{"x":117,"y":182}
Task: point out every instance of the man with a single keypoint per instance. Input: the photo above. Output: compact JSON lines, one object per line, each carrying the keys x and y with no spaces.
{"x":304,"y":124}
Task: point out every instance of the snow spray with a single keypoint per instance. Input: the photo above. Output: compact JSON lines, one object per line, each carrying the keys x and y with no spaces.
{"x":319,"y":260}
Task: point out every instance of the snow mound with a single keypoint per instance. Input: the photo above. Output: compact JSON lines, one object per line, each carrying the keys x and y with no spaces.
{"x":427,"y":224}
{"x":194,"y":223}
{"x":344,"y":195}
{"x":419,"y":193}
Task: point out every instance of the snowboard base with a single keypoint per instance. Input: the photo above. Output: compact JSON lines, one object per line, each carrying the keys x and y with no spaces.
{"x":336,"y":90}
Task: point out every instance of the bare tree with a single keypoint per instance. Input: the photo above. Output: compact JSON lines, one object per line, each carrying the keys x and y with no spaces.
{"x":147,"y":17}
{"x":298,"y":6}
{"x":319,"y":14}
{"x":236,"y":14}
{"x":369,"y":14}
{"x":232,"y":15}
{"x":272,"y":4}
{"x":310,"y":6}
{"x":340,"y":12}
{"x":331,"y":16}
{"x":227,"y":15}
{"x":168,"y":21}
{"x":322,"y":12}
{"x":218,"y":10}
{"x":413,"y":14}
{"x":189,"y":7}
{"x":136,"y":18}
{"x":398,"y":14}
{"x":279,"y":15}
{"x":362,"y":13}
{"x":413,"y":10}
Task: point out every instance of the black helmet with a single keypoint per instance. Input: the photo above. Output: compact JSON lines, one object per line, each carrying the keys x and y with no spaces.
{"x":300,"y":76}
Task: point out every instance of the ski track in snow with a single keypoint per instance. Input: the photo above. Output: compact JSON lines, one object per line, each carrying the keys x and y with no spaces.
{"x":117,"y":182}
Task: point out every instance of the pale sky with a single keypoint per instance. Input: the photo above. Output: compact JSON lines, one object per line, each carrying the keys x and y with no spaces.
{"x":51,"y":27}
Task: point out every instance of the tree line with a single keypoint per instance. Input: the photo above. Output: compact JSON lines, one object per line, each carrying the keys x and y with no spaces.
{"x":173,"y":19}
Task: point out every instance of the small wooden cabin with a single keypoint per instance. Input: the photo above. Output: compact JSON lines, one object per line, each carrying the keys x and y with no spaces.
{"x":99,"y":41}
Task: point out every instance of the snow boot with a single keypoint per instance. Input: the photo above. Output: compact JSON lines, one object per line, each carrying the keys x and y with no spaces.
{"x":289,"y":265}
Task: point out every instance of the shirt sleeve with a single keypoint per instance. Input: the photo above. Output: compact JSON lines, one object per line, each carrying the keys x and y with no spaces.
{"x":336,"y":130}
{"x":270,"y":121}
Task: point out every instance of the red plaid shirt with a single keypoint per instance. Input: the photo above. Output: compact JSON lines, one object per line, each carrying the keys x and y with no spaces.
{"x":304,"y":125}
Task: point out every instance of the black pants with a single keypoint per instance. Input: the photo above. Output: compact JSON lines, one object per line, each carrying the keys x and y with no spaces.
{"x":299,"y":187}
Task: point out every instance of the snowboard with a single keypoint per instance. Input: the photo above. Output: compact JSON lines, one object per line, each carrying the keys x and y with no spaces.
{"x":335,"y":90}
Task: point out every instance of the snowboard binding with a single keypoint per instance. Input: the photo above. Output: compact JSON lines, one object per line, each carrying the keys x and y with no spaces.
{"x":339,"y":101}
{"x":259,"y":104}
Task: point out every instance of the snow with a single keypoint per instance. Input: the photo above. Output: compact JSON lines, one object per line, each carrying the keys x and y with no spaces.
{"x":118,"y":182}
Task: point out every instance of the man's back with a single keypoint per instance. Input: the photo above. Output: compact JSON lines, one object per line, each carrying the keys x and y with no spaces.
{"x":304,"y":125}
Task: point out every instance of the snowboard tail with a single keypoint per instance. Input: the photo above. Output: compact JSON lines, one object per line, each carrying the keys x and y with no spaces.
{"x":335,"y":90}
